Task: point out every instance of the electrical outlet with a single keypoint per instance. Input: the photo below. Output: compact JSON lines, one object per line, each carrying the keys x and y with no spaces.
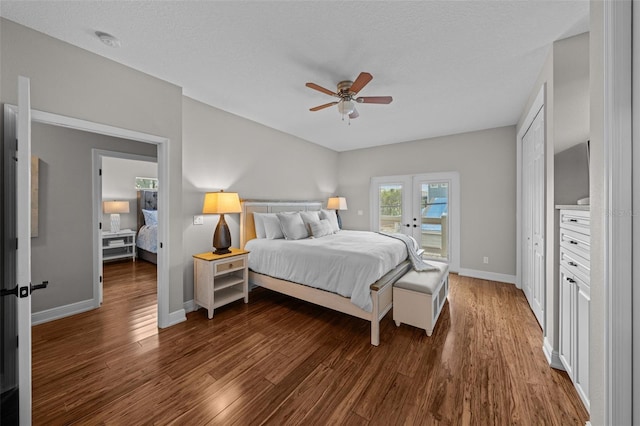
{"x":360,"y":212}
{"x":198,"y":220}
{"x":485,"y":259}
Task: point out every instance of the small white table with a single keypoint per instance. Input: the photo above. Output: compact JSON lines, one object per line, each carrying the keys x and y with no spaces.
{"x":119,"y":245}
{"x":220,"y":279}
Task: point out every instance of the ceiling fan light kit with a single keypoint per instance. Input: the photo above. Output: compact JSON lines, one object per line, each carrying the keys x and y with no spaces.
{"x":346,"y":91}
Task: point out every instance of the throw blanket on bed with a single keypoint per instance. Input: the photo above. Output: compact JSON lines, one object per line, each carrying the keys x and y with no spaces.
{"x":418,"y":264}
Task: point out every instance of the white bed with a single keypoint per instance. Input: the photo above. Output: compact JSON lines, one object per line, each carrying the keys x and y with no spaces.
{"x":361,"y":287}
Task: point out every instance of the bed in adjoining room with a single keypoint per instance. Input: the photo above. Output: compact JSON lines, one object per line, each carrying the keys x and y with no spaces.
{"x":147,"y":236}
{"x":348,"y":271}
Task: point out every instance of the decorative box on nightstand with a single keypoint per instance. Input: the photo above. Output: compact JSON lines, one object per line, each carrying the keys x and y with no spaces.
{"x":220,"y":278}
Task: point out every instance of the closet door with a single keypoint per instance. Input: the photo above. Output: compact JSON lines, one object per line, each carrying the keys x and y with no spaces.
{"x":533,"y":265}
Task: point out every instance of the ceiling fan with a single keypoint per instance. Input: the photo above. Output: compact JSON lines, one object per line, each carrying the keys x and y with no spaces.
{"x":347,"y":91}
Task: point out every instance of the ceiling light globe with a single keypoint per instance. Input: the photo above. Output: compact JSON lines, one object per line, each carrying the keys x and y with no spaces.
{"x":346,"y":107}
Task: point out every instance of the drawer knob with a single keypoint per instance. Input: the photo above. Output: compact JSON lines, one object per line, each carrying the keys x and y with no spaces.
{"x":573,"y":264}
{"x":573,"y":242}
{"x":572,"y":281}
{"x":230,"y":265}
{"x":573,"y":220}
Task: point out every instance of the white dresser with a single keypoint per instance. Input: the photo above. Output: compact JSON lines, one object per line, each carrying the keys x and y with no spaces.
{"x":575,"y":301}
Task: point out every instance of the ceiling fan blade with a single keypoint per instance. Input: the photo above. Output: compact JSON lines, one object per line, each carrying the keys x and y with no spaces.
{"x":318,"y":108}
{"x":374,"y":100}
{"x":363,"y":79}
{"x":354,"y":114}
{"x":321,"y":89}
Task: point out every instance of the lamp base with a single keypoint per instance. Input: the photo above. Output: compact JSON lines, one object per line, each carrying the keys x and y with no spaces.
{"x":222,"y":237}
{"x":339,"y":219}
{"x":115,"y":223}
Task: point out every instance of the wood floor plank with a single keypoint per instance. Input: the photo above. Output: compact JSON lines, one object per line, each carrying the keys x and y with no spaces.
{"x":278,"y":360}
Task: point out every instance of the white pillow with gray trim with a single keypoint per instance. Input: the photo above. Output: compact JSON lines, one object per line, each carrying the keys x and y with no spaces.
{"x":292,"y":226}
{"x":330,"y":215}
{"x":321,"y":228}
{"x":272,"y":228}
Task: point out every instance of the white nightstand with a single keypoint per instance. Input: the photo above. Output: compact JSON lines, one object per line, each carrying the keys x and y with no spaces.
{"x":220,"y":278}
{"x":119,"y":245}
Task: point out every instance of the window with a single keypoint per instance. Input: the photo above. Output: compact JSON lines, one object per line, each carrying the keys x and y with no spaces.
{"x":146,"y":183}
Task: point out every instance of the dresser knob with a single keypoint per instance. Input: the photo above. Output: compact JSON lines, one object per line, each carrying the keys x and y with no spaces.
{"x":573,"y":242}
{"x":573,"y":264}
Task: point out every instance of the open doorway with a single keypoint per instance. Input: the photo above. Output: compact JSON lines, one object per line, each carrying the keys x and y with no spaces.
{"x":156,"y":146}
{"x":126,"y":200}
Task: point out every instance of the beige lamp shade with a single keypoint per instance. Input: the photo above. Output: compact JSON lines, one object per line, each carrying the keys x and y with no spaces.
{"x":115,"y":206}
{"x":337,"y":203}
{"x":221,"y":202}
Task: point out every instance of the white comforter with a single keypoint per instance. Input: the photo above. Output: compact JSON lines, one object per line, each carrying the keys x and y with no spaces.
{"x":346,"y":263}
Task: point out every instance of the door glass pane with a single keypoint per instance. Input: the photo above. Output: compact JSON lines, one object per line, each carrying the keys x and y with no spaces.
{"x":434,"y":227}
{"x":390,"y":197}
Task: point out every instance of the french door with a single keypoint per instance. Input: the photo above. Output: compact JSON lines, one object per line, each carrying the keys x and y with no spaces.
{"x":16,"y":285}
{"x":421,"y":206}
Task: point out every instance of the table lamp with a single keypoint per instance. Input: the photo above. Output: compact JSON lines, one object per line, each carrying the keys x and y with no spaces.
{"x":221,"y":203}
{"x":337,"y":203}
{"x":115,"y":208}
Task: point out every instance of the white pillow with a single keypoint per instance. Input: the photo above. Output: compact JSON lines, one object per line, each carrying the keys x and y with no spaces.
{"x":321,"y":228}
{"x":259,"y":223}
{"x":292,"y":226}
{"x":330,"y":215}
{"x":272,"y":228}
{"x":308,"y":217}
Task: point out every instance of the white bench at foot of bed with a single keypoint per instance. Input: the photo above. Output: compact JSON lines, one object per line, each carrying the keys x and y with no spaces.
{"x":418,"y":297}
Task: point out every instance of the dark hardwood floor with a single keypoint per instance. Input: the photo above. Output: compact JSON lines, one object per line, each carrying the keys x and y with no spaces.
{"x":281,"y":361}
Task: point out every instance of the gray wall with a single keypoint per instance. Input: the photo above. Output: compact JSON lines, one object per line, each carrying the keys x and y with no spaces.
{"x":224,"y":151}
{"x":571,"y":91}
{"x":118,"y":183}
{"x":70,"y":81}
{"x":486,"y":161}
{"x":63,"y":251}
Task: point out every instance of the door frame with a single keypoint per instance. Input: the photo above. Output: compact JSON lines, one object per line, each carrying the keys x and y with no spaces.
{"x":96,"y":157}
{"x":454,"y":205}
{"x":164,"y":317}
{"x":618,"y":220}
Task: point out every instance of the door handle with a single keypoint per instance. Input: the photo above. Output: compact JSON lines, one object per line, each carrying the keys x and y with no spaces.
{"x":16,"y":291}
{"x":40,"y":286}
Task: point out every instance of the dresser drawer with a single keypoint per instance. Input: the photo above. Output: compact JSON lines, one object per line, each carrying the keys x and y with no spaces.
{"x":230,"y":265}
{"x":576,"y":220}
{"x":575,"y":264}
{"x":575,"y":242}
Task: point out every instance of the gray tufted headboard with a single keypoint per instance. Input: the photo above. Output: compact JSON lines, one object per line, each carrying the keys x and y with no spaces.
{"x":147,"y":200}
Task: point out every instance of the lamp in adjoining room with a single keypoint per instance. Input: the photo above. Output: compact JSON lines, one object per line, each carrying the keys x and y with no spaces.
{"x":337,"y":203}
{"x":115,"y":208}
{"x":221,"y":203}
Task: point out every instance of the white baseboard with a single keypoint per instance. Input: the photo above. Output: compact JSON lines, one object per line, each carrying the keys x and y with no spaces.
{"x":553,"y":357}
{"x":189,"y":306}
{"x":61,"y":311}
{"x":175,"y":317}
{"x":484,"y":275}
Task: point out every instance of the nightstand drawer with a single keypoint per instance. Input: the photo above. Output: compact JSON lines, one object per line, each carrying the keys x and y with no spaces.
{"x":230,"y":265}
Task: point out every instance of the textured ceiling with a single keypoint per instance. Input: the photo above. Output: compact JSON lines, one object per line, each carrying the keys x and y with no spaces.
{"x":451,"y":66}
